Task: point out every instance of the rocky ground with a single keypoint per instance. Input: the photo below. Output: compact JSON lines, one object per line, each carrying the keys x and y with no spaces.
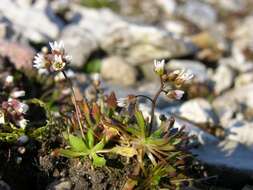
{"x":211,"y":38}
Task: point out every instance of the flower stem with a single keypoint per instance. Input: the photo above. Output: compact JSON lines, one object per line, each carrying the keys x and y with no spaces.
{"x":143,"y":96}
{"x":78,"y":112}
{"x":154,"y":101}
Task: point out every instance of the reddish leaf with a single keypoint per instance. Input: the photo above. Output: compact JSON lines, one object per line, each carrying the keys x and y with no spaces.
{"x":112,"y":101}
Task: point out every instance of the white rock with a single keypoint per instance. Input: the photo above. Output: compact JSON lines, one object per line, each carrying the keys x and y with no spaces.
{"x":36,"y":23}
{"x":201,"y":14}
{"x":116,"y":69}
{"x":136,"y":43}
{"x":223,"y":78}
{"x":79,"y":43}
{"x":198,"y":110}
{"x":241,"y":132}
{"x":197,"y":68}
{"x":244,"y":79}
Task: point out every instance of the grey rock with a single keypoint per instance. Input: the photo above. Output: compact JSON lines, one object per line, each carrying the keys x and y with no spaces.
{"x":201,"y":14}
{"x":43,"y":25}
{"x":4,"y":186}
{"x":148,"y":11}
{"x":241,"y":132}
{"x":20,"y":55}
{"x":243,"y":38}
{"x":142,"y":44}
{"x":195,"y":67}
{"x":79,"y":43}
{"x":233,"y":5}
{"x":62,"y":184}
{"x":117,"y":70}
{"x":228,"y":155}
{"x":232,"y":97}
{"x":147,"y":70}
{"x":136,"y":43}
{"x":199,"y":111}
{"x":231,"y":103}
{"x":244,"y":79}
{"x":223,"y":78}
{"x":247,"y":187}
{"x":225,"y":154}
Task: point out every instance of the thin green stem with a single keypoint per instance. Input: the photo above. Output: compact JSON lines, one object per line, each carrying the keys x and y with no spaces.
{"x":78,"y":112}
{"x":154,"y":101}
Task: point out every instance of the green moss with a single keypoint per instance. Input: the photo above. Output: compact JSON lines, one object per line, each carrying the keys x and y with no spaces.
{"x":100,"y":3}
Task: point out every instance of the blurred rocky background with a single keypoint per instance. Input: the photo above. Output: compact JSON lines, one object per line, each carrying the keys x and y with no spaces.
{"x":120,"y":39}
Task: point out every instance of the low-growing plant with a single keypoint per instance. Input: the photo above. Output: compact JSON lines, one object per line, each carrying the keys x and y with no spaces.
{"x":106,"y":125}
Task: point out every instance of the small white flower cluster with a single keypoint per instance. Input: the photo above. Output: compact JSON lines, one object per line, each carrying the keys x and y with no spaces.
{"x":125,"y":102}
{"x":10,"y":87}
{"x":175,"y":94}
{"x":53,"y":61}
{"x":14,"y":111}
{"x":181,"y":76}
{"x":159,"y":66}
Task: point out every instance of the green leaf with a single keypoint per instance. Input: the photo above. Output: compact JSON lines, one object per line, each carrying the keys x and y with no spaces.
{"x":141,"y":122}
{"x":98,"y":161}
{"x":134,"y":131}
{"x":77,"y":144}
{"x":124,"y":151}
{"x":71,"y":154}
{"x":93,"y":66}
{"x":90,"y":138}
{"x":99,"y":146}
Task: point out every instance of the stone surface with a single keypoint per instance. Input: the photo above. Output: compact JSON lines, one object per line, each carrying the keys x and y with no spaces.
{"x":228,"y":155}
{"x":136,"y":43}
{"x":117,"y":70}
{"x":43,"y":26}
{"x":199,"y":13}
{"x":241,"y":131}
{"x":62,"y":184}
{"x":79,"y":43}
{"x":244,"y":79}
{"x":195,"y":67}
{"x":223,"y":78}
{"x":199,"y":111}
{"x":21,"y":56}
{"x":4,"y":186}
{"x":235,"y":96}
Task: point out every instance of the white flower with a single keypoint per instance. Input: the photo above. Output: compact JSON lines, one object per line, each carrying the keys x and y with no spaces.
{"x":58,"y":63}
{"x":123,"y":102}
{"x":2,"y":119}
{"x":68,"y":58}
{"x":22,"y":123}
{"x":39,"y":61}
{"x":22,"y":108}
{"x":180,"y":76}
{"x":175,"y":94}
{"x":60,"y":76}
{"x":9,"y":79}
{"x":186,"y":75}
{"x":17,"y":94}
{"x":159,"y":66}
{"x":55,"y":46}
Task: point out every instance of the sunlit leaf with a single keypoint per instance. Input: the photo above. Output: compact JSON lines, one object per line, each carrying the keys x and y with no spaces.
{"x":99,"y":146}
{"x":98,"y":161}
{"x":77,"y":144}
{"x":71,"y":154}
{"x":124,"y":151}
{"x":141,"y":122}
{"x":90,"y":138}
